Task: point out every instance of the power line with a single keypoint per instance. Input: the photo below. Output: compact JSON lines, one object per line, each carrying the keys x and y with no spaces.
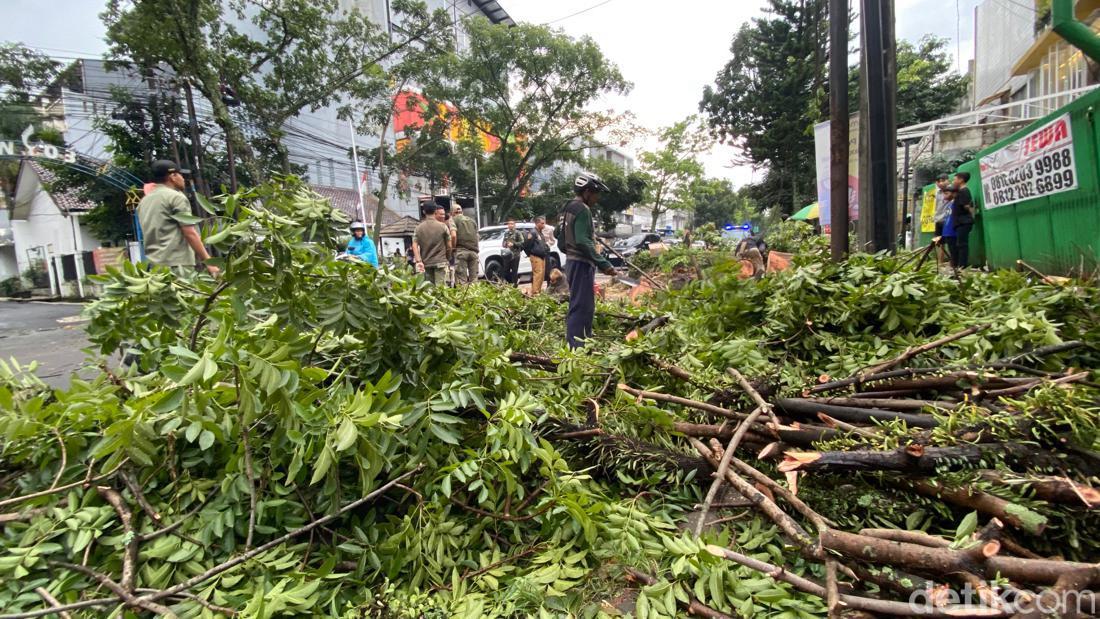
{"x":580,"y":12}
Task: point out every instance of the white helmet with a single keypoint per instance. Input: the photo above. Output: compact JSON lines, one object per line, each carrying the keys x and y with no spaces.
{"x":588,"y":180}
{"x":357,"y":225}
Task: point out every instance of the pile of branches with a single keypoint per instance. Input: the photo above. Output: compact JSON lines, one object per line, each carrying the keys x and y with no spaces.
{"x":310,"y":437}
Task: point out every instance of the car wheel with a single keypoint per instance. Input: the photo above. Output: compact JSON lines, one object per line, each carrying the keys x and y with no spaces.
{"x":494,"y":270}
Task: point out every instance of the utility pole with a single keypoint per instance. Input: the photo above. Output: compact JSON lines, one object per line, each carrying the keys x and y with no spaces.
{"x":358,"y":175}
{"x":907,"y":223}
{"x":477,"y":193}
{"x":196,"y":144}
{"x":838,"y":128}
{"x":878,"y":126}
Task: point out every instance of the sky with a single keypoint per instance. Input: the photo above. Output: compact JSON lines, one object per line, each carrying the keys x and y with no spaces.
{"x":668,"y":50}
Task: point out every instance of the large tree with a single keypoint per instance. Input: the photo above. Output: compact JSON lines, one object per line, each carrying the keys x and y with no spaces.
{"x":530,"y":87}
{"x":768,"y":96}
{"x":625,"y":189}
{"x":928,"y":86}
{"x":24,"y":73}
{"x":281,"y":57}
{"x":715,"y":201}
{"x":674,"y":166}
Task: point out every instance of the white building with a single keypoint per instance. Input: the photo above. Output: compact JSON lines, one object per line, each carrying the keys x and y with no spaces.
{"x":47,"y":230}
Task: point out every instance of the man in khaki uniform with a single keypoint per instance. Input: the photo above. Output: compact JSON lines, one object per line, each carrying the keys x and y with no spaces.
{"x":431,"y":242}
{"x":170,"y":237}
{"x":464,"y":239}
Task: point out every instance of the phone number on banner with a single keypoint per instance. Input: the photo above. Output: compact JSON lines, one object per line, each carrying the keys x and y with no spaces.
{"x":1051,"y":173}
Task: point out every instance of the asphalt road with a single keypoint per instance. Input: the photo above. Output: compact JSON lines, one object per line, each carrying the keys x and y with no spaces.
{"x":50,"y":333}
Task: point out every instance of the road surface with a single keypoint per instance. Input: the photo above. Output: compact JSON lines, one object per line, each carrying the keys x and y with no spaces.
{"x":50,"y":333}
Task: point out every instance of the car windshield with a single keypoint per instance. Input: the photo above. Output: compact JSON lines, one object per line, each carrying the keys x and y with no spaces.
{"x":491,"y":235}
{"x":631,"y":241}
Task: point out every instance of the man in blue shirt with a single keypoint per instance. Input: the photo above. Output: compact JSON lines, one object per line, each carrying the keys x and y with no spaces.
{"x":361,"y":246}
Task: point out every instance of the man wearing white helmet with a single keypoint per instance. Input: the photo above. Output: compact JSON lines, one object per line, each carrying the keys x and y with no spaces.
{"x":575,"y":236}
{"x":361,"y":246}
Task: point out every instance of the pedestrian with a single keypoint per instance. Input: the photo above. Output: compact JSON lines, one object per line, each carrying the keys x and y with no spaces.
{"x":941,"y":212}
{"x":558,"y":287}
{"x":947,"y":230}
{"x":538,"y":250}
{"x":167,"y":226}
{"x":465,"y":240}
{"x":962,"y":216}
{"x":513,"y":242}
{"x":575,"y":235}
{"x":431,"y":242}
{"x":361,"y":246}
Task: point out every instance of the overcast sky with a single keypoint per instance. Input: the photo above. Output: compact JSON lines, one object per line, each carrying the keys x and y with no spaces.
{"x":669,"y":50}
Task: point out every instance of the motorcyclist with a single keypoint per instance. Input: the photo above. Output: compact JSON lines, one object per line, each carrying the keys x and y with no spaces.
{"x":361,"y":247}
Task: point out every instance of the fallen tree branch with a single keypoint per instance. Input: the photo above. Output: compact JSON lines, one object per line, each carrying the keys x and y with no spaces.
{"x":803,"y":435}
{"x":767,"y":506}
{"x":194,"y":598}
{"x":754,"y":394}
{"x":916,"y":350}
{"x":1060,"y":490}
{"x":693,"y":605}
{"x":235,"y":561}
{"x":251,"y":488}
{"x":535,"y":361}
{"x":920,"y":459}
{"x":76,"y":484}
{"x":64,"y":459}
{"x":130,"y":553}
{"x":898,"y":404}
{"x":776,"y":488}
{"x":672,"y":399}
{"x":810,"y":409}
{"x":128,"y":598}
{"x":945,"y":560}
{"x":48,"y":598}
{"x":1028,"y":386}
{"x":723,"y":466}
{"x":1012,"y":514}
{"x":139,"y":496}
{"x":886,"y":607}
{"x":201,"y":319}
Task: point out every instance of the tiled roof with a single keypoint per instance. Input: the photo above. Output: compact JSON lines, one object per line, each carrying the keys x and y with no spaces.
{"x":347,"y":201}
{"x":68,"y":200}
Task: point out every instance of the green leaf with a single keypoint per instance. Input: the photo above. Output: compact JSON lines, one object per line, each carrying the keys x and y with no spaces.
{"x":346,"y":434}
{"x":322,"y":466}
{"x":206,"y":439}
{"x":169,"y":402}
{"x":968,"y":525}
{"x":445,"y":434}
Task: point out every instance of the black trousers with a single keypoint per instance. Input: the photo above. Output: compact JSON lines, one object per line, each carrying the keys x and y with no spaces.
{"x":582,"y":302}
{"x":511,"y":270}
{"x":960,"y":246}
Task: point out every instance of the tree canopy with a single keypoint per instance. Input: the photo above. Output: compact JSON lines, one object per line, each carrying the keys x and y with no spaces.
{"x":529,"y":87}
{"x":674,"y":166}
{"x":768,"y":96}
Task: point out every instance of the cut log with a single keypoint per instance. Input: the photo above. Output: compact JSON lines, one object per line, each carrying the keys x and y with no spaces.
{"x":884,"y":607}
{"x":833,"y":385}
{"x":945,"y":560}
{"x":1012,"y":514}
{"x":1050,"y":489}
{"x":807,"y":409}
{"x":897,"y":404}
{"x":918,"y":459}
{"x":534,"y":361}
{"x":802,"y":435}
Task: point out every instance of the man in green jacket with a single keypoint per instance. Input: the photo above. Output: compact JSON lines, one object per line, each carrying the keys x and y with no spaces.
{"x":575,"y":237}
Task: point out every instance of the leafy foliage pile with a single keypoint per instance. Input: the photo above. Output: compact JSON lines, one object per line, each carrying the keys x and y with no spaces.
{"x":298,"y":385}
